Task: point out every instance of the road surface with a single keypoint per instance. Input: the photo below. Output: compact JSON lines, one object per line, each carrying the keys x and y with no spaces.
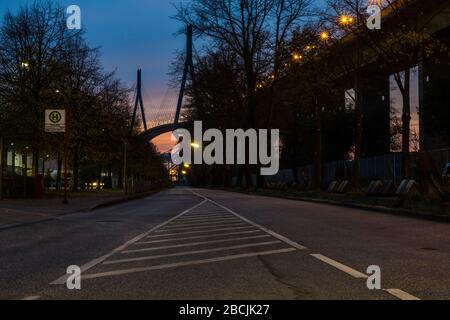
{"x":207,"y":244}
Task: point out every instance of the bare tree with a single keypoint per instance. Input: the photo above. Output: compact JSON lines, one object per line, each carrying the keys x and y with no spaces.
{"x":255,"y":31}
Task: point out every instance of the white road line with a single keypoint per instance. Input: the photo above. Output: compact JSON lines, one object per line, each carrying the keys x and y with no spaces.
{"x":90,"y":264}
{"x":31,"y":298}
{"x":202,"y":231}
{"x":193,"y":244}
{"x":205,"y":236}
{"x":183,"y":264}
{"x":272,"y":233}
{"x":210,"y":216}
{"x":398,"y":293}
{"x":354,"y":273}
{"x":402,"y":295}
{"x":212,"y":225}
{"x":200,"y":222}
{"x":205,"y":219}
{"x":186,"y":253}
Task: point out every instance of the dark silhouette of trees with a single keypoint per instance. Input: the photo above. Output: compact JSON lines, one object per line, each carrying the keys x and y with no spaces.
{"x":43,"y":65}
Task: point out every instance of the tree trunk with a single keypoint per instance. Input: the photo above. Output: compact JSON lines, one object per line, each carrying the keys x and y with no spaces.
{"x":318,"y":151}
{"x":240,"y":174}
{"x":248,"y":176}
{"x":120,"y":178}
{"x":36,"y":161}
{"x":406,"y":121}
{"x":109,"y":181}
{"x":359,"y":115}
{"x":58,"y":172}
{"x":358,"y":136}
{"x":75,"y":169}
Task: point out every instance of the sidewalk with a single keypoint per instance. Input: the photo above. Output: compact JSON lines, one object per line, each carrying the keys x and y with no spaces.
{"x":393,"y":205}
{"x":14,"y":212}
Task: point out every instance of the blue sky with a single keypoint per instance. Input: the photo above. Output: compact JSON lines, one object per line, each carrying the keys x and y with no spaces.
{"x":132,"y":34}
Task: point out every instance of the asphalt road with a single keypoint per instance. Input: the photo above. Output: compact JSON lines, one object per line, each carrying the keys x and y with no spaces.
{"x":208,"y":244}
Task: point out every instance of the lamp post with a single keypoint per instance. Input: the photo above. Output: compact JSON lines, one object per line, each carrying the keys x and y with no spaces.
{"x":1,"y":168}
{"x":66,"y":152}
{"x":125,"y":169}
{"x":345,"y":21}
{"x":25,"y":170}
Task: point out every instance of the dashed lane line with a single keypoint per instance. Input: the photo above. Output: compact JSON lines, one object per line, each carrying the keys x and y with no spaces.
{"x":400,"y":294}
{"x":31,"y":298}
{"x":354,"y":273}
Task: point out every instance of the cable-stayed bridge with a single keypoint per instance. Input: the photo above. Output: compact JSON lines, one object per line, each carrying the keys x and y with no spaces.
{"x":165,"y":117}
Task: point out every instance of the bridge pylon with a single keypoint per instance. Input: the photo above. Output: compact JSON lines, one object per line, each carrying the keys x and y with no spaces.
{"x":188,"y":69}
{"x":139,"y":101}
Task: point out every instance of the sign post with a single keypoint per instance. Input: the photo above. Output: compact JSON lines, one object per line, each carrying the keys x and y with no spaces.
{"x":1,"y":168}
{"x":56,"y":121}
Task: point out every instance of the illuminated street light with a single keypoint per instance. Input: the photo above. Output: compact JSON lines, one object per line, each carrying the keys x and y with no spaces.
{"x":184,"y":172}
{"x":324,"y":36}
{"x":187,"y":165}
{"x":297,"y":57}
{"x":195,"y":145}
{"x":24,"y":65}
{"x":345,"y":20}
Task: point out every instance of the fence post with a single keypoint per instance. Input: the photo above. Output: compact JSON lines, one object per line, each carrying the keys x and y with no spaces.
{"x":1,"y":168}
{"x":395,"y":169}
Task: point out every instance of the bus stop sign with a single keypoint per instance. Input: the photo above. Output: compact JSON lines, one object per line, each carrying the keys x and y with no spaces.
{"x":55,"y":121}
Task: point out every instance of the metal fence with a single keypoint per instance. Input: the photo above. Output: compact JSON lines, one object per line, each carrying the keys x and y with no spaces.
{"x":386,"y":167}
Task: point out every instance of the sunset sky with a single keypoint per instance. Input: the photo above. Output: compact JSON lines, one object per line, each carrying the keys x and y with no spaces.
{"x":136,"y":34}
{"x":132,"y":34}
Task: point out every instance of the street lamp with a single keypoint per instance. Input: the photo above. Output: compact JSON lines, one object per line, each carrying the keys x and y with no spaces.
{"x":297,"y":57}
{"x":345,"y":20}
{"x":195,"y":145}
{"x":324,"y":36}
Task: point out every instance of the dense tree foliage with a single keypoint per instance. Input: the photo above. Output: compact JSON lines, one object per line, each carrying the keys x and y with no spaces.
{"x":281,"y":64}
{"x":44,"y":65}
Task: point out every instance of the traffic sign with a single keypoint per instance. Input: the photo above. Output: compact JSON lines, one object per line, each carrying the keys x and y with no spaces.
{"x":55,"y":121}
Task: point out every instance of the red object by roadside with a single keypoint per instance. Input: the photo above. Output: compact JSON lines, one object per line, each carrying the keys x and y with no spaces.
{"x":39,"y":185}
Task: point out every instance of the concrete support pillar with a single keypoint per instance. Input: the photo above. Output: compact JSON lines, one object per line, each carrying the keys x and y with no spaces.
{"x":434,"y":105}
{"x":376,"y":108}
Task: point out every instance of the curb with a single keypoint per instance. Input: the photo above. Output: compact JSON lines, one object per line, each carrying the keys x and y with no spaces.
{"x":92,"y":208}
{"x":121,"y":200}
{"x":381,"y":209}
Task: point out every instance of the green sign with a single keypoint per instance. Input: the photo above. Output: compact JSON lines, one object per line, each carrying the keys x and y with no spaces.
{"x":55,"y":117}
